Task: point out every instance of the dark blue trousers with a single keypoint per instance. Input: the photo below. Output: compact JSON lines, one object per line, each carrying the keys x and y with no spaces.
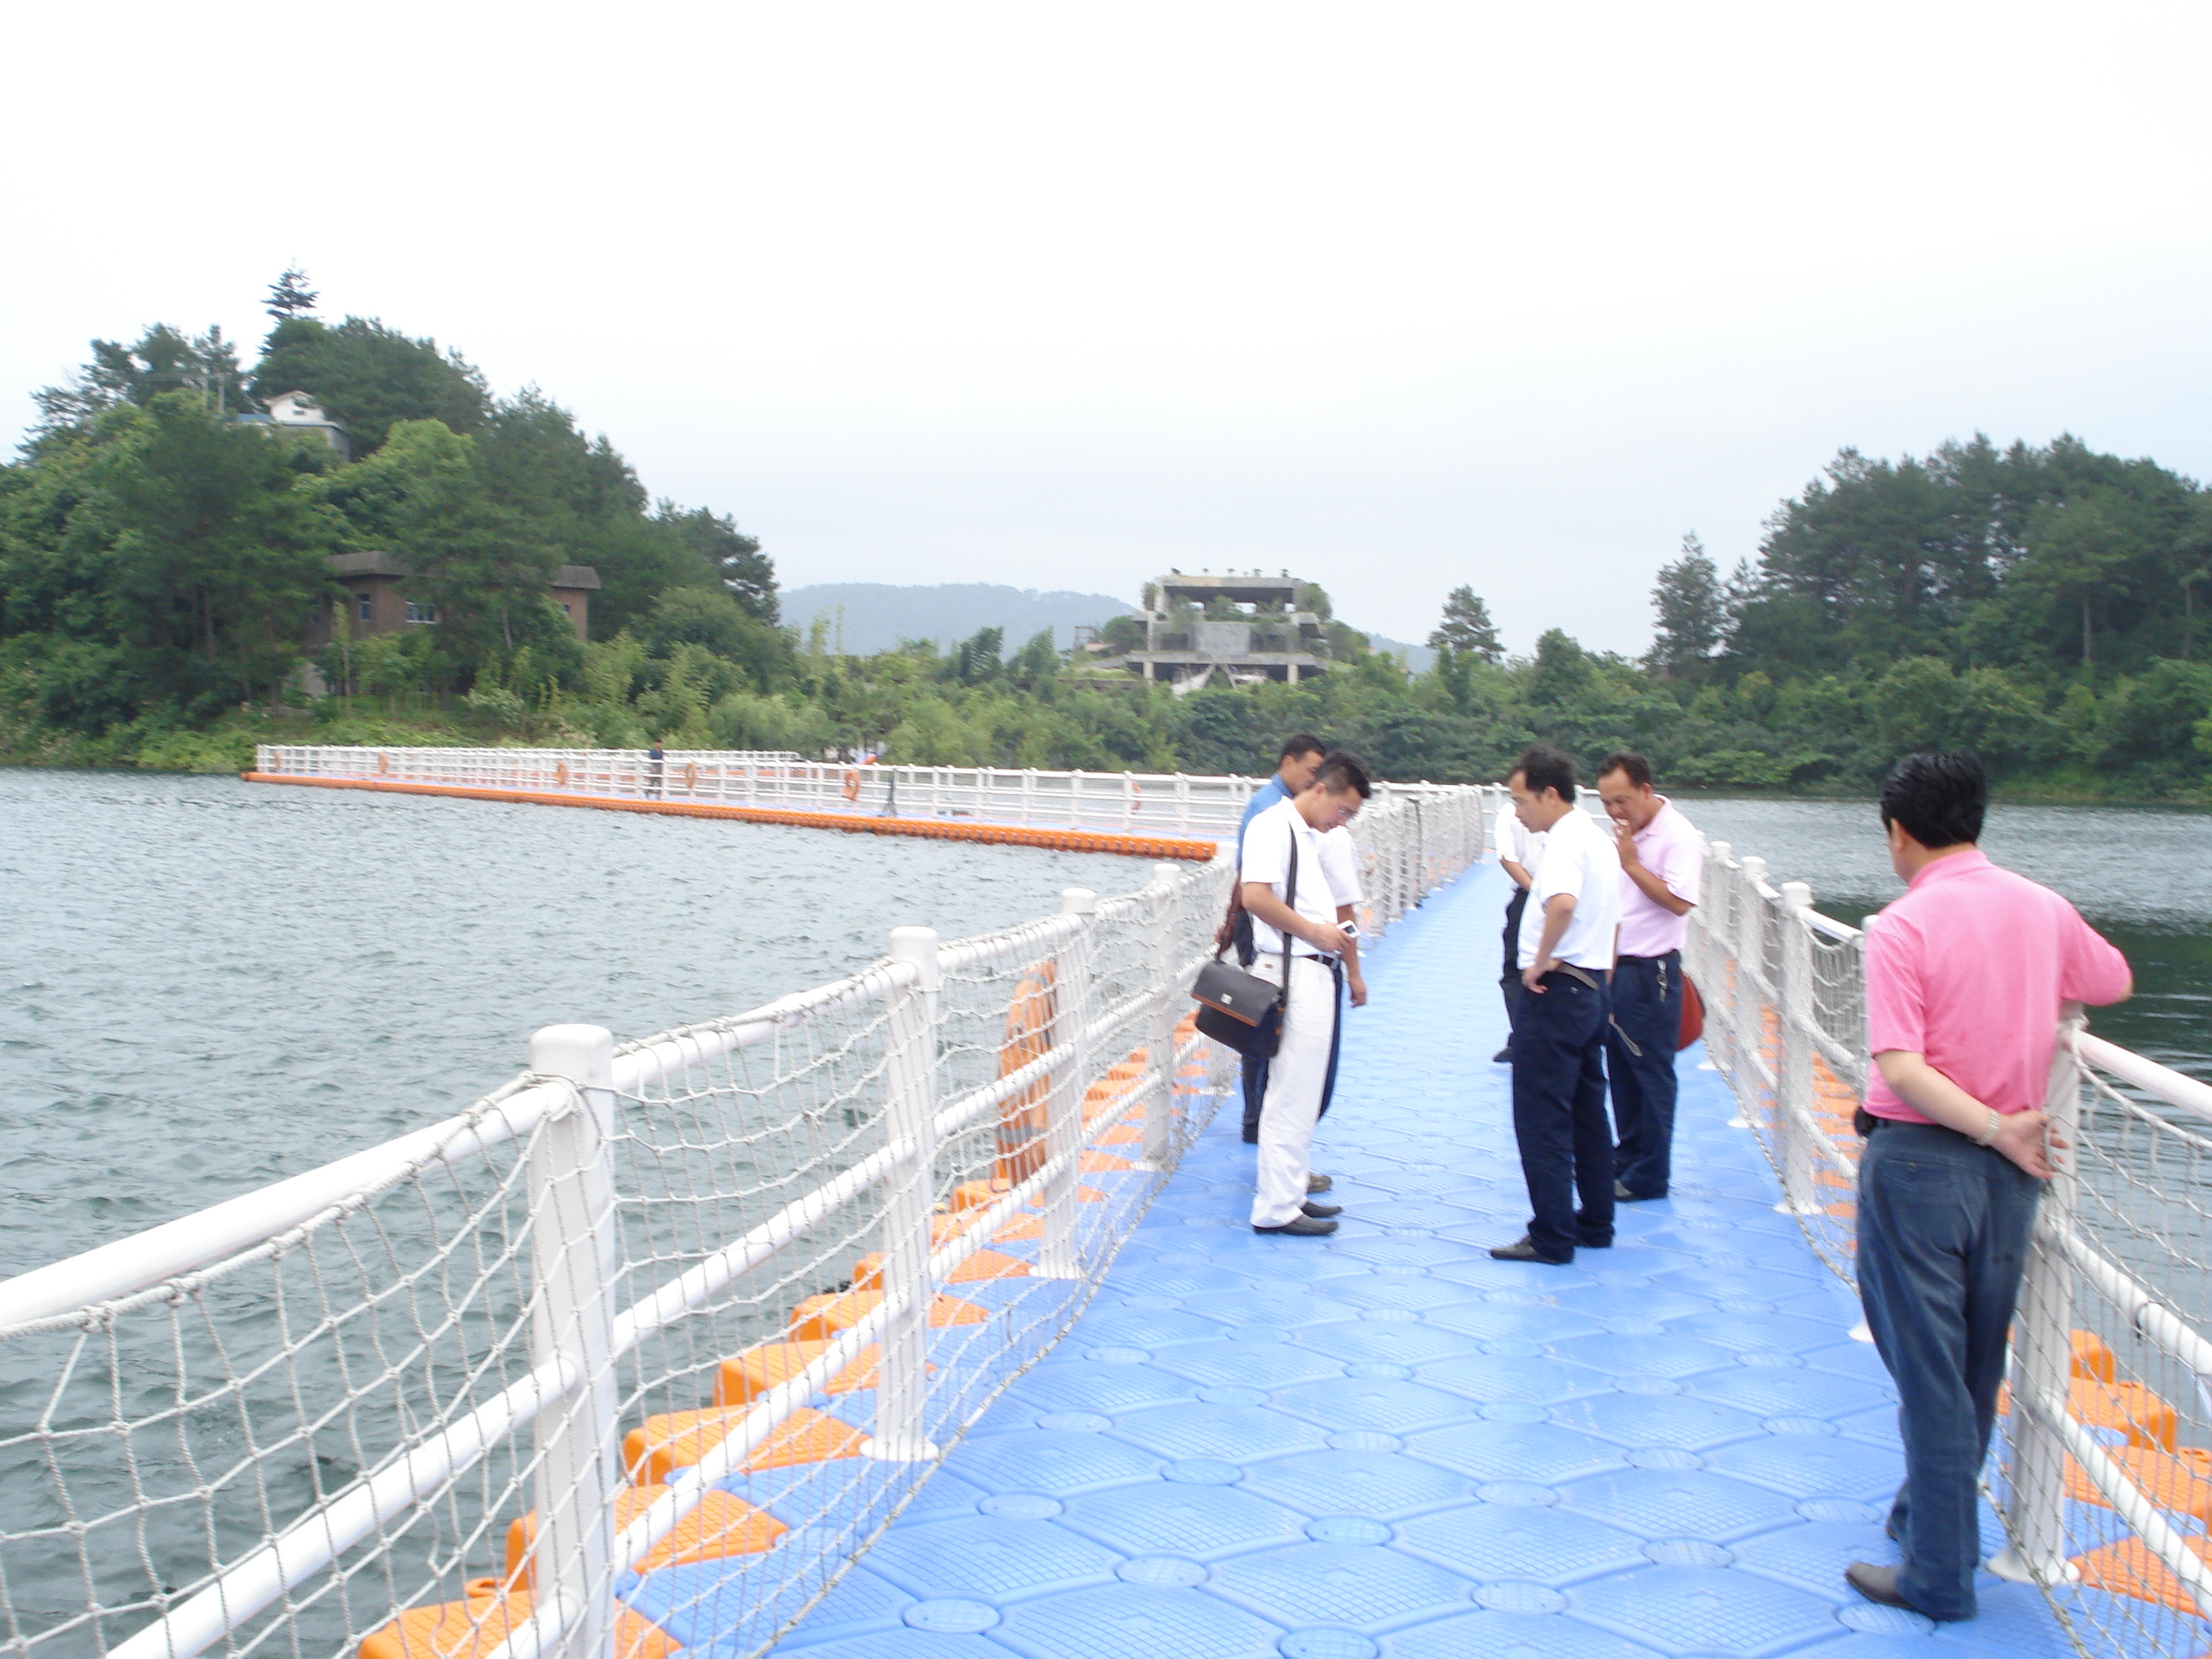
{"x":1559,"y":1115}
{"x":1509,"y":978}
{"x":1255,"y":1091}
{"x":1943,"y":1227}
{"x":1640,"y":1064}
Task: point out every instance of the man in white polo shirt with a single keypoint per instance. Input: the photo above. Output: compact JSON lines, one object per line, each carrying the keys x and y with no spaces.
{"x":1301,"y":949}
{"x":1662,"y":862}
{"x":1558,"y":1047}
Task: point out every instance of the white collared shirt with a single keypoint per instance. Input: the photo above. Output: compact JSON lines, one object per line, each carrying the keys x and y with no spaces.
{"x":1266,"y":858}
{"x":1577,"y":858}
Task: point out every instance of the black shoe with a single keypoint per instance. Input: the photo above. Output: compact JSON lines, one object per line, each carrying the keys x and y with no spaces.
{"x":1321,"y":1212}
{"x":1300,"y":1226}
{"x":1522,"y":1250}
{"x":1622,"y":1195}
{"x":1877,"y":1584}
{"x":1605,"y":1243}
{"x":1320,"y":1183}
{"x":1503,"y":1057}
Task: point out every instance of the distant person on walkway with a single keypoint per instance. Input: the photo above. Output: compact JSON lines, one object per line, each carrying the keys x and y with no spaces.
{"x":1517,"y":851}
{"x":655,"y":765}
{"x":1297,"y":761}
{"x":1559,"y":1066}
{"x":1966,"y":979}
{"x":1283,"y":875}
{"x":1661,"y":863}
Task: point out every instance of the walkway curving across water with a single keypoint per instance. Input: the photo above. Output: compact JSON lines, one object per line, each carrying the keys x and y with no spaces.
{"x":1387,"y":1444}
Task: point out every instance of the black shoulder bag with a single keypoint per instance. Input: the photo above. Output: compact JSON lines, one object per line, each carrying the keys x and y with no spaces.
{"x":1243,"y":1010}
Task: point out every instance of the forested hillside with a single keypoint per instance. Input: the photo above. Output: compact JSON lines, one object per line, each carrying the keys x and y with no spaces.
{"x":162,"y":563}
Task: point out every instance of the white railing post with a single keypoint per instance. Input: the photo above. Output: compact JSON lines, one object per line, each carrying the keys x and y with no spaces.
{"x":1750,"y":1001}
{"x":901,"y":1429}
{"x":573,"y":1256}
{"x":1166,"y":944}
{"x":1063,"y":1134}
{"x":1793,"y":1092}
{"x":2043,"y":1348}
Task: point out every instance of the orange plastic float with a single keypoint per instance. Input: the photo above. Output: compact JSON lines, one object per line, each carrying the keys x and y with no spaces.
{"x":474,"y":1627}
{"x":718,"y":1525}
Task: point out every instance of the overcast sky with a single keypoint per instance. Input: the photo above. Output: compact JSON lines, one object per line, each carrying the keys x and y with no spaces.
{"x":1398,"y":296}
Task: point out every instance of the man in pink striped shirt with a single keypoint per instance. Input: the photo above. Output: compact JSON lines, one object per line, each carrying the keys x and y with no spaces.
{"x":1965,"y":976}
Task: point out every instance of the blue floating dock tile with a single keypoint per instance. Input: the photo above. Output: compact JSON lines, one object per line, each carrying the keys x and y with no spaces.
{"x":1849,"y":1358}
{"x":1408,"y":1289}
{"x":1363,"y":1403}
{"x":1706,"y":1610}
{"x":1363,"y":1585}
{"x":1136,"y":1621}
{"x":1813,"y":1554}
{"x":1486,"y":1633}
{"x":1659,"y":1503}
{"x":1777,"y":1392}
{"x":1761,"y":1284}
{"x":1175,"y":1276}
{"x":941,"y":1495}
{"x":1484,"y":1273}
{"x":1640,"y":1301}
{"x":1948,"y":1643}
{"x":1813,"y":1466}
{"x":1656,"y":1419}
{"x":1077,"y":1385}
{"x":1422,"y":1212}
{"x":1353,"y":1339}
{"x":1541,"y":1452}
{"x":989,"y":1558}
{"x":1668,"y":1355}
{"x":1752,"y":1332}
{"x":1408,"y":1248}
{"x":1121,"y":1328}
{"x":1259,"y":1365}
{"x":859,"y":1604}
{"x":1531,"y":1322}
{"x":1499,"y":1376}
{"x":1280,"y":1304}
{"x":1234,"y":1433}
{"x":1196,"y":1522}
{"x":1490,"y":1540}
{"x":742,"y":1597}
{"x":901,"y":1644}
{"x":1382,"y":1485}
{"x":1039,"y":1460}
{"x":842,"y":1492}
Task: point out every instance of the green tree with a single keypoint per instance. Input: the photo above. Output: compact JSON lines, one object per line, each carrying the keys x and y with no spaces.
{"x":1692,"y":609}
{"x":371,"y":377}
{"x":290,"y":294}
{"x":1467,"y":628}
{"x":163,"y":359}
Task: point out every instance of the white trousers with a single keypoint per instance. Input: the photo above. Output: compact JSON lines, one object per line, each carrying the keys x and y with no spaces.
{"x":1295,"y":1077}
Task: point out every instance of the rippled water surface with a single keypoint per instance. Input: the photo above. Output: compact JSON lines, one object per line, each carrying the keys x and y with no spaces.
{"x":2142,"y":875}
{"x":207,"y":985}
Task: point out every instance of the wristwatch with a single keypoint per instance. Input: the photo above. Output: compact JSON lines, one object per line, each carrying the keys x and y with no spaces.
{"x":1996,"y":1122}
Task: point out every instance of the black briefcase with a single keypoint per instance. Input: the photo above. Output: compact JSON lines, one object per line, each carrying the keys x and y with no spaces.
{"x":1239,"y":1009}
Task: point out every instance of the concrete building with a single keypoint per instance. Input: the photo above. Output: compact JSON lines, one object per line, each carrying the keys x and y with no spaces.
{"x":375,"y":603}
{"x":298,"y":411}
{"x":1245,"y":628}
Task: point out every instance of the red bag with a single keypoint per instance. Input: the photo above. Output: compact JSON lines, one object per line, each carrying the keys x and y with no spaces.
{"x":1693,"y":1015}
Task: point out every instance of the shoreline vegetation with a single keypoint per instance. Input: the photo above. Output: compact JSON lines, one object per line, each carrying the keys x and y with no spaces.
{"x":162,"y":563}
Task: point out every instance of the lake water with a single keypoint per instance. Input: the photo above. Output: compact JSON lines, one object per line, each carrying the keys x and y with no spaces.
{"x":207,"y":985}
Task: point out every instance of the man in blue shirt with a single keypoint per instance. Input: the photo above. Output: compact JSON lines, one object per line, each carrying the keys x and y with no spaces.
{"x":1295,"y":766}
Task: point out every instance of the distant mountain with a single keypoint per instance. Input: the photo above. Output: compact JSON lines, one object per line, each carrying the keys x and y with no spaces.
{"x":878,"y":615}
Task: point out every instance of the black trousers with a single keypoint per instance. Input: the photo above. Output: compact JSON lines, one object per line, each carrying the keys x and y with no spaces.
{"x":1559,"y":1115}
{"x":1639,"y":1060}
{"x":1509,"y":979}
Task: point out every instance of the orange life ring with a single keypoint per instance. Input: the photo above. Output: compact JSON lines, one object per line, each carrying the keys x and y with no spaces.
{"x":853,"y":792}
{"x":1020,"y":1133}
{"x":691,"y":775}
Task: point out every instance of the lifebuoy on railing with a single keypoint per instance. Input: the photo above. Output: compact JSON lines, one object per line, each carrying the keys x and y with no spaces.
{"x":853,"y":792}
{"x":1020,"y":1133}
{"x":691,"y":775}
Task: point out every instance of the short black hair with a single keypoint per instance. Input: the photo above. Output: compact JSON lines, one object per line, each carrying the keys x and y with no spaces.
{"x":1628,"y":760}
{"x":1545,"y":768}
{"x":1298,"y":744}
{"x":1341,"y":771}
{"x":1939,"y":798}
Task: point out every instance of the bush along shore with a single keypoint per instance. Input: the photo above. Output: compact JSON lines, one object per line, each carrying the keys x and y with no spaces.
{"x":164,"y":566}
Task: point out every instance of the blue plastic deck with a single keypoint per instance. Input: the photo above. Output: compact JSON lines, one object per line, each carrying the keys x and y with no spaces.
{"x":1387,"y":1445}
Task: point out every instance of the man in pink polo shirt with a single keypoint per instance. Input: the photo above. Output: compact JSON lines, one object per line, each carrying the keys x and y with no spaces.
{"x":1965,"y":976}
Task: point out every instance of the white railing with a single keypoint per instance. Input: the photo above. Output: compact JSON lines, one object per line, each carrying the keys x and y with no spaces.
{"x":2105,"y":1474}
{"x":1138,"y":803}
{"x":655,"y":1339}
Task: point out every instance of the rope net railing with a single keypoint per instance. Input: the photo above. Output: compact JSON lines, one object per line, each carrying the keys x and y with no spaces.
{"x":1134,"y":803}
{"x":2102,"y":1472}
{"x":641,"y":1351}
